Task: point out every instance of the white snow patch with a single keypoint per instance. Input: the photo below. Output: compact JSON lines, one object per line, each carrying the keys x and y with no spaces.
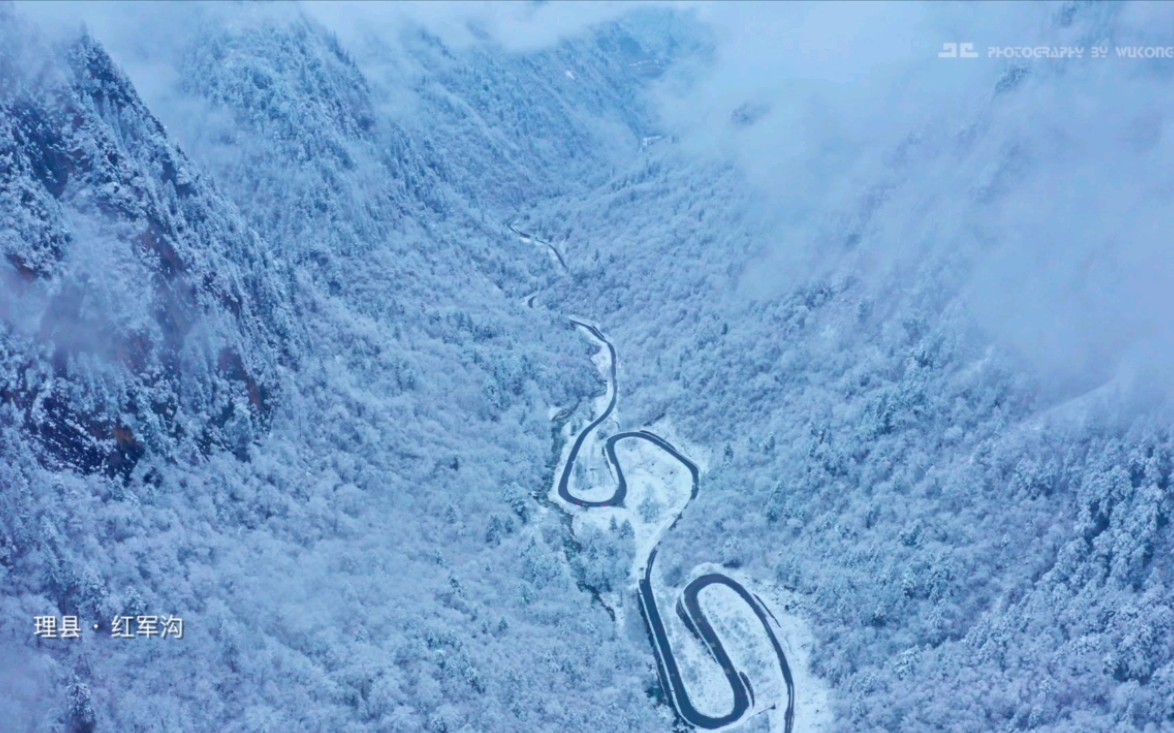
{"x":813,"y":710}
{"x":659,"y":487}
{"x":701,"y":456}
{"x":704,"y":682}
{"x":658,"y":490}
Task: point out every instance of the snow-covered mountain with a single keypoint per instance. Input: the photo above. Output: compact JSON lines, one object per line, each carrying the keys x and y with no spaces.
{"x":285,"y":351}
{"x":135,"y":307}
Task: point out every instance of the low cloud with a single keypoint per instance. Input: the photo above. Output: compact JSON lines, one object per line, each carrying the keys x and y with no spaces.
{"x":517,"y":26}
{"x":1048,"y":181}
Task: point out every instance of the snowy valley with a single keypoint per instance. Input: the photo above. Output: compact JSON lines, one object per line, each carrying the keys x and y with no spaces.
{"x":334,"y":334}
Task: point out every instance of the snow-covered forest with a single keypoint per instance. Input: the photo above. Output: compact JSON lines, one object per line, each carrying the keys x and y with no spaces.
{"x":286,"y":351}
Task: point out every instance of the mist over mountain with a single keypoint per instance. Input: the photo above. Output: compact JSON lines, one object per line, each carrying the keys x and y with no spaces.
{"x":286,"y":350}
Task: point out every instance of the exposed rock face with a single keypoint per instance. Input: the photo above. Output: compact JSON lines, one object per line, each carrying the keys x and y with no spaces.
{"x":159,"y":339}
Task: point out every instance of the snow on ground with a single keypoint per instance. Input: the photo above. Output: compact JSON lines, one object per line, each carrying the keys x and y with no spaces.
{"x":703,"y":678}
{"x":813,"y":704}
{"x":746,"y":642}
{"x":658,"y":484}
{"x":701,"y":455}
{"x":551,"y":252}
{"x":659,"y":487}
{"x":592,"y":478}
{"x":748,"y":646}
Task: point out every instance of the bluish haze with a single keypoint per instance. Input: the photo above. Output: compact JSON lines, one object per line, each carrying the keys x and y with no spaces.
{"x":285,"y":349}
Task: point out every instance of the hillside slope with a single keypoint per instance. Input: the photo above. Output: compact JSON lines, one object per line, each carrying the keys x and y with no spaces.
{"x":275,"y":359}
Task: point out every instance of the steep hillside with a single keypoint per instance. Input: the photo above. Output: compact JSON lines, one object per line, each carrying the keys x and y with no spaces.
{"x":976,"y":547}
{"x":366,"y":402}
{"x":285,"y":351}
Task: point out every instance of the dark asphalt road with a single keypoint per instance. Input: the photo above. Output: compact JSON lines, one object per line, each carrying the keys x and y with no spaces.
{"x":554,"y":250}
{"x":688,"y":607}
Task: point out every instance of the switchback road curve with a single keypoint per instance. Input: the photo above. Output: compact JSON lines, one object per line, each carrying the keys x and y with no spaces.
{"x":550,"y":247}
{"x":688,"y":606}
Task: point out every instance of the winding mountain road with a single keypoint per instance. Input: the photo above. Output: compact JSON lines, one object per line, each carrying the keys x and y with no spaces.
{"x":550,"y":247}
{"x":688,"y":606}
